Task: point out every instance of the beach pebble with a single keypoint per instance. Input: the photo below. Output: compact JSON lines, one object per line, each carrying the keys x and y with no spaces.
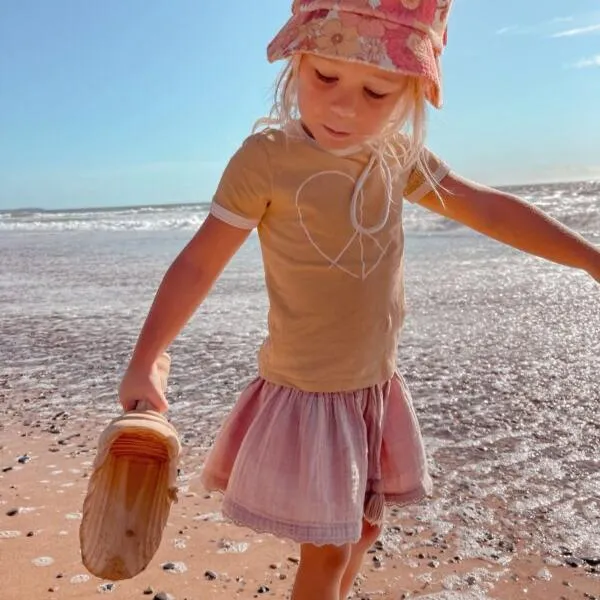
{"x":43,"y":561}
{"x":573,"y":561}
{"x":9,"y":534}
{"x":174,"y":567}
{"x":544,"y":575}
{"x":227,"y":546}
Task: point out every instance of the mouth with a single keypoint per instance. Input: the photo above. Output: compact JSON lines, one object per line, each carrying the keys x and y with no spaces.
{"x":336,"y":133}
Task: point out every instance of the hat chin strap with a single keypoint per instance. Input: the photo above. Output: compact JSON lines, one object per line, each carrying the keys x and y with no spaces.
{"x":357,"y":194}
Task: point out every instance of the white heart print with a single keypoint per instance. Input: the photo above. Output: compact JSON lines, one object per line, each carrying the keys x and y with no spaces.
{"x":371,"y":247}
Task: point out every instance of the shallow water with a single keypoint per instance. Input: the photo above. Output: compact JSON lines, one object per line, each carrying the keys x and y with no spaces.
{"x":501,"y":351}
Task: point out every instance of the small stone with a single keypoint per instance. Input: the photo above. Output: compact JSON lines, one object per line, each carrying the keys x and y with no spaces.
{"x":12,"y":512}
{"x":567,"y":583}
{"x":23,"y":459}
{"x":275,"y":566}
{"x":471,"y":580}
{"x":106,"y":587}
{"x":592,"y":561}
{"x":43,"y":561}
{"x":573,"y":562}
{"x":377,"y":562}
{"x":210,"y":575}
{"x":420,"y":556}
{"x":163,"y":596}
{"x":6,"y":469}
{"x":174,"y":567}
{"x":544,"y":575}
{"x":148,"y":591}
{"x":263,"y":589}
{"x":434,"y":564}
{"x":294,"y":559}
{"x":30,"y":534}
{"x":282,"y":576}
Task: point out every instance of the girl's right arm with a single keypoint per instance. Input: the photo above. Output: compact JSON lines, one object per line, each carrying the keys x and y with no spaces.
{"x":185,"y":285}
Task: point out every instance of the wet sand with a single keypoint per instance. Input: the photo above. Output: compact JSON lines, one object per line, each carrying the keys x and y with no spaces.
{"x":45,"y":467}
{"x":500,"y":352}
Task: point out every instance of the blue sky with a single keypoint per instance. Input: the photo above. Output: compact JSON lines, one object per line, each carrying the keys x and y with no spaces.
{"x":143,"y":101}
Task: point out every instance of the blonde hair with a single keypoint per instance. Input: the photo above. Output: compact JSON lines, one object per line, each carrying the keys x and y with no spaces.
{"x":402,"y":140}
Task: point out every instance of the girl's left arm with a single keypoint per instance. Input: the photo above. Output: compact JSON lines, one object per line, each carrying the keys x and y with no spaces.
{"x":512,"y":221}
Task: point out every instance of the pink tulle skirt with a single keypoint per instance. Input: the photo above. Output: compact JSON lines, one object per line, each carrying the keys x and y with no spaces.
{"x":311,"y":466}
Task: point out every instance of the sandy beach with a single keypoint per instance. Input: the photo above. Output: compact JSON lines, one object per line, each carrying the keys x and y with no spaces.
{"x":44,"y":470}
{"x":500,"y":352}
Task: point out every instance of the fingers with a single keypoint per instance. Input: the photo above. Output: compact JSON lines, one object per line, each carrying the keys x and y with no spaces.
{"x":158,"y":403}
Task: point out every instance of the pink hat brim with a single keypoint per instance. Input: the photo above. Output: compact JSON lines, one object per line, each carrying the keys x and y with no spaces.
{"x":399,"y":48}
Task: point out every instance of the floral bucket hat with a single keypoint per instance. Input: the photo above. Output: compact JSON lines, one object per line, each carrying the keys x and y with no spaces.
{"x":405,"y":36}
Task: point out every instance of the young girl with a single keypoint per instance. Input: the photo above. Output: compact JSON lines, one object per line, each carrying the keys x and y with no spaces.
{"x":326,"y":433}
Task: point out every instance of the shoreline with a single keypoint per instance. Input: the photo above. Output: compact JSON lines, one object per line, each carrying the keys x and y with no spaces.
{"x":44,"y":469}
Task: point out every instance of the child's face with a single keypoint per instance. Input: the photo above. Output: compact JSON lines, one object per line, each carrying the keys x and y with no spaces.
{"x":343,"y":103}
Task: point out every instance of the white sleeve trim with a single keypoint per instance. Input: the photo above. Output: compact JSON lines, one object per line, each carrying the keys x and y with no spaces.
{"x":441,"y":172}
{"x":231,"y":218}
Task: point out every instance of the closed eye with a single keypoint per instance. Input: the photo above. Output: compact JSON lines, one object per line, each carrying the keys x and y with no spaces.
{"x":324,"y":78}
{"x":375,"y":95}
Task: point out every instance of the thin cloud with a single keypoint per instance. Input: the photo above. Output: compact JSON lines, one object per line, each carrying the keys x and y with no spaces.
{"x":586,"y":63}
{"x":562,"y":20}
{"x":578,"y":31}
{"x":530,"y":29}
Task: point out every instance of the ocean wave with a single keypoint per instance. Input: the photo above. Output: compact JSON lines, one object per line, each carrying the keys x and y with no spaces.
{"x":576,"y":205}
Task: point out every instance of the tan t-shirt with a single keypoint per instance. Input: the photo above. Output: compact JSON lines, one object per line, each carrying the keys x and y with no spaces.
{"x":336,"y":295}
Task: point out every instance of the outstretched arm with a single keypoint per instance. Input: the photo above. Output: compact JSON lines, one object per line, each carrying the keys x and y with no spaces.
{"x":512,"y":221}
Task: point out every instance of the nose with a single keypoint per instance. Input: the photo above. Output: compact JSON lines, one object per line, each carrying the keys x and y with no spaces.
{"x":344,"y":104}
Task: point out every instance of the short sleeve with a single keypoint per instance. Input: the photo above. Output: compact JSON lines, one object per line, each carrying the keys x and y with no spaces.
{"x":244,"y":190}
{"x":428,"y":172}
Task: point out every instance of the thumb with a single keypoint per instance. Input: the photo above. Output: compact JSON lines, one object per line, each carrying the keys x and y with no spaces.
{"x":156,"y":402}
